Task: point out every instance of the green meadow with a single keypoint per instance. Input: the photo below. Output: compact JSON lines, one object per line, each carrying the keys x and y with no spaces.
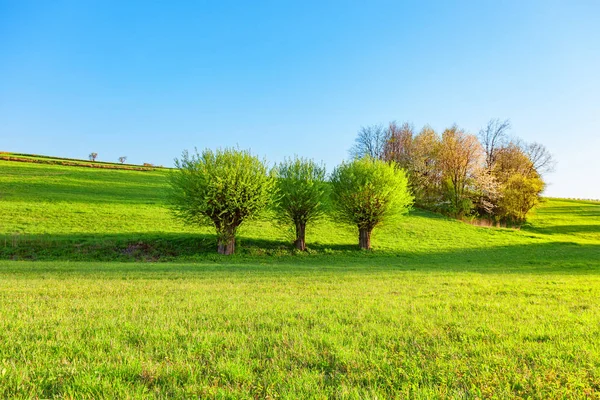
{"x":104,"y":295}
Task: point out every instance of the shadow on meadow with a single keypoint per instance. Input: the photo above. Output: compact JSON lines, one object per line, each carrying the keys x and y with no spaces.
{"x":197,"y":253}
{"x":150,"y":247}
{"x":566,"y":229}
{"x":581,"y":210}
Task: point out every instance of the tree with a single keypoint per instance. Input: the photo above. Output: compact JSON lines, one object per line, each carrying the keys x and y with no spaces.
{"x":520,"y":184}
{"x":511,"y":160}
{"x":301,"y":190}
{"x":399,"y":144}
{"x":223,"y":188}
{"x":493,"y":137}
{"x":486,"y":193}
{"x":541,"y":159}
{"x":122,"y":159}
{"x":370,"y":142}
{"x":519,"y":195}
{"x":93,"y":156}
{"x":423,"y":169}
{"x":367,"y":192}
{"x":460,"y":160}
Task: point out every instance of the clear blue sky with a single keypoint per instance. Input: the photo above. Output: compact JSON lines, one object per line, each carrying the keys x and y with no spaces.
{"x":148,"y":79}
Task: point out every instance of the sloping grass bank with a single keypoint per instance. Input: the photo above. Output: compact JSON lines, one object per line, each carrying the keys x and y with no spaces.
{"x":70,"y":213}
{"x":440,"y":309}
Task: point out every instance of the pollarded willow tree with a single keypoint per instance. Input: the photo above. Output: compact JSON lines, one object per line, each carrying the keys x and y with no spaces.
{"x":223,"y":188}
{"x":301,"y":193}
{"x":367,"y":192}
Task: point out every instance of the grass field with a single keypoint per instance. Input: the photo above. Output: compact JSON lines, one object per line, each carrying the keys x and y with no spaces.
{"x":40,"y":159}
{"x":440,"y":309}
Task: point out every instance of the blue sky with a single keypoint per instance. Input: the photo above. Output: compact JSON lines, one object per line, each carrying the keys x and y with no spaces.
{"x":149,"y":79}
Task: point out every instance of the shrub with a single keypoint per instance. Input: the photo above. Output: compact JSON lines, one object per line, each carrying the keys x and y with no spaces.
{"x":519,"y":195}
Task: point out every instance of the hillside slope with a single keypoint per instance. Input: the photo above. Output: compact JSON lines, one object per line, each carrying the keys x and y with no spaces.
{"x":52,"y":211}
{"x":440,"y":309}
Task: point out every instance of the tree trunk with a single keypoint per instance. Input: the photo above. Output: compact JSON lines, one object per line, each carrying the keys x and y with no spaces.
{"x":300,"y":241}
{"x":227,"y":246}
{"x":364,"y":238}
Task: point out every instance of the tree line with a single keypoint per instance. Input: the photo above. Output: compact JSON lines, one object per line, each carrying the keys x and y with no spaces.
{"x":226,"y":187}
{"x":490,"y":175}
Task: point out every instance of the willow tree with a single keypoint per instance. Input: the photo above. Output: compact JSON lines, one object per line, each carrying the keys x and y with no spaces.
{"x":368,"y":192}
{"x":301,"y":191}
{"x":222,"y":188}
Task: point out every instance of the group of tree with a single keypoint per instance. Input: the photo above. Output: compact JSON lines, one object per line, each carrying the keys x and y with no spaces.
{"x":227,"y":187}
{"x":93,"y":156}
{"x":490,"y":176}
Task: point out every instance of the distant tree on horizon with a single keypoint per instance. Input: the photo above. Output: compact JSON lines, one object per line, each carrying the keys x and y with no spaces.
{"x":122,"y":159}
{"x":370,"y":142}
{"x":93,"y":156}
{"x":494,"y":137}
{"x":542,"y":160}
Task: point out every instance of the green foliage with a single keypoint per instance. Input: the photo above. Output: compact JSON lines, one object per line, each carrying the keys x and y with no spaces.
{"x":519,"y":195}
{"x":223,"y":188}
{"x":302,"y":194}
{"x":458,"y":206}
{"x":367,"y":192}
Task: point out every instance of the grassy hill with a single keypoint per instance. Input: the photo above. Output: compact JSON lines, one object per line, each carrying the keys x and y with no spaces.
{"x":440,"y":308}
{"x":57,"y":212}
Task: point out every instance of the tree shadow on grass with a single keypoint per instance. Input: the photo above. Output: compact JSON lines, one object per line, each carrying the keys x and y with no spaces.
{"x":582,"y":209}
{"x":150,"y":247}
{"x":189,"y":253}
{"x":565,"y":229}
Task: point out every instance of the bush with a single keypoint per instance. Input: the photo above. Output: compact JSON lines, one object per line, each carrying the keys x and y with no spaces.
{"x":368,"y":192}
{"x":519,"y":195}
{"x":222,"y":188}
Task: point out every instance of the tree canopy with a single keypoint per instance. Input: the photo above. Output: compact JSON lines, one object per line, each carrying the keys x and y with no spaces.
{"x":367,"y":192}
{"x":301,"y":191}
{"x":222,"y":188}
